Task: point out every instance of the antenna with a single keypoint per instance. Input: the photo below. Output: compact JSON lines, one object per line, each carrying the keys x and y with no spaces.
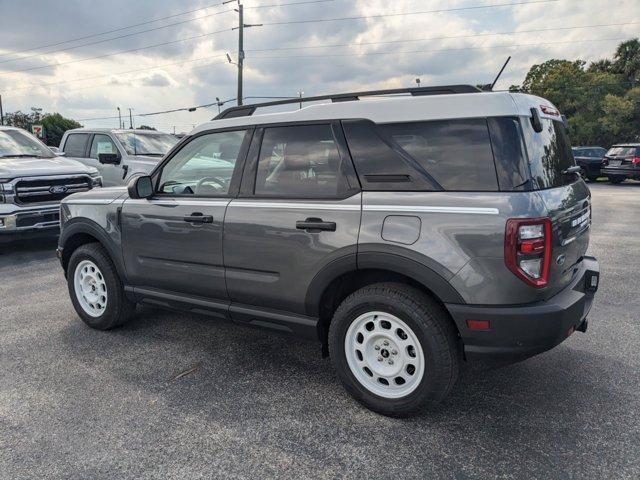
{"x":499,"y":73}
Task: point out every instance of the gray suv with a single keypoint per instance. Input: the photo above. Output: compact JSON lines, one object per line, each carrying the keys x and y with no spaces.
{"x":406,"y":233}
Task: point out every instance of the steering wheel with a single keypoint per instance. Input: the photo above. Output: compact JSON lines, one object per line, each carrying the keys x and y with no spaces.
{"x":215,"y":180}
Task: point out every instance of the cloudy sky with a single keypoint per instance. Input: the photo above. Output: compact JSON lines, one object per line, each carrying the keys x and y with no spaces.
{"x":84,"y":58}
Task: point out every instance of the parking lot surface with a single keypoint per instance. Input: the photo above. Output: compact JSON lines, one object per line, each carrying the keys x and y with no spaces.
{"x":179,"y":396}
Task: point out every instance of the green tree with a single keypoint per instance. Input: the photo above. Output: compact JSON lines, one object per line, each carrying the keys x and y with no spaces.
{"x":54,"y":127}
{"x":627,"y":60}
{"x":19,"y":119}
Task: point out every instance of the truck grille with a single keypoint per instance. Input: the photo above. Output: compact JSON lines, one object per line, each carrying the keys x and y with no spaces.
{"x":50,"y":190}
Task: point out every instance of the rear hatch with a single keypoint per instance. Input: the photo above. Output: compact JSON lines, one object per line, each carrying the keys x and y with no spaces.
{"x":566,"y":197}
{"x":621,"y":156}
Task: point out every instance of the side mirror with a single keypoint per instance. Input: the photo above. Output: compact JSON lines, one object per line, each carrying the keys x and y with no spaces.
{"x":109,"y":158}
{"x":140,"y":187}
{"x":57,"y":152}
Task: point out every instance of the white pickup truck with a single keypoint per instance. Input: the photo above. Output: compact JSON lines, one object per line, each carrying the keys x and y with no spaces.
{"x":117,"y":154}
{"x":33,"y":180}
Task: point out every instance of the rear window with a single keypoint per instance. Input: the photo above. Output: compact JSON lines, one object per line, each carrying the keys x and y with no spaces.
{"x":589,"y":152}
{"x":623,"y":151}
{"x":76,"y":144}
{"x":550,"y":155}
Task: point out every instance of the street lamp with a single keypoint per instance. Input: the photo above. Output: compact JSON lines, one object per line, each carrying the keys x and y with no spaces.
{"x":119,"y":118}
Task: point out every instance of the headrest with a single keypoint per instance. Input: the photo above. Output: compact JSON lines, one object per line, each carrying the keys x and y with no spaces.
{"x":296,"y":156}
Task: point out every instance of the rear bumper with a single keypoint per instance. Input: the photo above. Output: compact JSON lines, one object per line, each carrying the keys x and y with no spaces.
{"x":590,"y":168}
{"x":633,"y":173}
{"x":519,"y":332}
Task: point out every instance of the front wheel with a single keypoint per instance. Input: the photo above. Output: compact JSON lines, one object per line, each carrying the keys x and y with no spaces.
{"x":394,"y":348}
{"x":95,"y":289}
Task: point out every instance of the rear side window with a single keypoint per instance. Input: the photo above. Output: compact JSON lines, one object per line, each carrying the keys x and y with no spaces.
{"x":509,"y":153}
{"x":76,"y":144}
{"x":456,"y":153}
{"x":299,"y":161}
{"x":550,"y":155}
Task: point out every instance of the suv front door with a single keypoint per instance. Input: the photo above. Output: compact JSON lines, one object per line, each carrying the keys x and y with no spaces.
{"x":298,"y":210}
{"x":172,"y":242}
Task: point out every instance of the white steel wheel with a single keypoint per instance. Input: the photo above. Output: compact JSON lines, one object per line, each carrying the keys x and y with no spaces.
{"x":384,"y":354}
{"x":90,"y":288}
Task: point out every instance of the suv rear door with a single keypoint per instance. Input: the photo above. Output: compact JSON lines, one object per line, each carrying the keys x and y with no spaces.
{"x":298,"y":210}
{"x":565,"y":195}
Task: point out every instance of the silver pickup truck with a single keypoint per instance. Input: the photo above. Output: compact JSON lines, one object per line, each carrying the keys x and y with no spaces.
{"x":33,"y":180}
{"x":117,"y":154}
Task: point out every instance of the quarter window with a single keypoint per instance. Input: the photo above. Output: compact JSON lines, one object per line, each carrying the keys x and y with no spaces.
{"x":456,"y":153}
{"x":76,"y":144}
{"x":299,"y":161}
{"x":102,"y":144}
{"x":204,"y":166}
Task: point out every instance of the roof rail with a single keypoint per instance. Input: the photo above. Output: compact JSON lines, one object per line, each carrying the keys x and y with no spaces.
{"x":248,"y":110}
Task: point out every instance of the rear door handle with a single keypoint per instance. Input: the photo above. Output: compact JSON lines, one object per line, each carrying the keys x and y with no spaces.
{"x":198,"y":217}
{"x":315,"y":225}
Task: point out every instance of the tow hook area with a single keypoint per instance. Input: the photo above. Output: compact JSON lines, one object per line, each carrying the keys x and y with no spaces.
{"x":583,"y":326}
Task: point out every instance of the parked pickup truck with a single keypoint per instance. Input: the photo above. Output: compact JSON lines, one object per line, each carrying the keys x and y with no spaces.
{"x":117,"y":154}
{"x":33,"y":180}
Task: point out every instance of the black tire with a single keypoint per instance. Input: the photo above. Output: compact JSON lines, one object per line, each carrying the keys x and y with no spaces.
{"x":592,"y":178}
{"x":118,"y":307}
{"x":616,"y":179}
{"x":431,"y":325}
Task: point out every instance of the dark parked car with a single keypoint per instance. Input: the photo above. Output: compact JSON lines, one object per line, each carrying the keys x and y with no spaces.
{"x":407,"y":234}
{"x":621,"y":162}
{"x":589,"y":159}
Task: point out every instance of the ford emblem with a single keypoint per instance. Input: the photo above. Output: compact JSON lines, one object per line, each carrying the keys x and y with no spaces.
{"x":58,"y":189}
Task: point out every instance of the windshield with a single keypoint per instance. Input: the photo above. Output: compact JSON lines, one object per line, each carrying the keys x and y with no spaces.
{"x":154,"y":144}
{"x":622,"y":152}
{"x":17,"y":143}
{"x":550,"y":155}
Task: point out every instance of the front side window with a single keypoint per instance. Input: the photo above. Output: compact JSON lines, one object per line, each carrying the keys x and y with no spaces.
{"x":76,"y":144}
{"x":204,"y":166}
{"x":102,"y":144}
{"x":456,"y":153}
{"x":16,"y":143}
{"x":150,"y":144}
{"x":299,"y":161}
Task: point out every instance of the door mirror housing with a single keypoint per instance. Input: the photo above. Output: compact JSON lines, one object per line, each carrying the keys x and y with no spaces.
{"x":140,"y":186}
{"x":109,"y":158}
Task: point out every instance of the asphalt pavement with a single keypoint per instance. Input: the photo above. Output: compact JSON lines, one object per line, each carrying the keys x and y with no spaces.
{"x":181,"y":396}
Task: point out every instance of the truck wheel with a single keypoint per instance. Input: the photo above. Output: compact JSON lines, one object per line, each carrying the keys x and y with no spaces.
{"x":394,"y":348}
{"x":95,"y":288}
{"x":616,"y":179}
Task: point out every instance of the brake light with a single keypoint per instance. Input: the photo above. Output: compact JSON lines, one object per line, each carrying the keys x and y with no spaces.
{"x":527,"y":249}
{"x":636,"y":161}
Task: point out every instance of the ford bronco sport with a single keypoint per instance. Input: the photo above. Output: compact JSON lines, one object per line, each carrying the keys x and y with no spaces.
{"x":407,"y":233}
{"x":33,"y":180}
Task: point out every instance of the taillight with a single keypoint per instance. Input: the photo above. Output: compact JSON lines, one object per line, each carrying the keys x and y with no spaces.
{"x":527,"y":249}
{"x":636,"y":161}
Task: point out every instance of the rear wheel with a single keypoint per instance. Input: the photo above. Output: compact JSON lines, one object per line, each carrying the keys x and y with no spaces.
{"x":616,"y":179}
{"x":95,"y":289}
{"x":394,"y":348}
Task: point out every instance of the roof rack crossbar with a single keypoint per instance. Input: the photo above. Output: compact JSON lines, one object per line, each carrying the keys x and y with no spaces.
{"x":248,"y":110}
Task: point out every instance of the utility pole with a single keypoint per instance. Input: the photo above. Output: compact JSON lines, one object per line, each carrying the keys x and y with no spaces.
{"x":1,"y":112}
{"x":119,"y":118}
{"x":130,"y":120}
{"x":240,"y":63}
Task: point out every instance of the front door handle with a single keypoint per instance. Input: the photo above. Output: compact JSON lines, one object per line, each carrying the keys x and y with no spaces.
{"x":198,"y":217}
{"x":315,"y":225}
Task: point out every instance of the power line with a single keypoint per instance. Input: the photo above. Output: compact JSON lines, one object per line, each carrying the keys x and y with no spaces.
{"x":398,"y":14}
{"x":142,"y":31}
{"x":408,"y":40}
{"x":436,"y":50}
{"x":113,"y":38}
{"x":112,"y":31}
{"x":118,"y":52}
